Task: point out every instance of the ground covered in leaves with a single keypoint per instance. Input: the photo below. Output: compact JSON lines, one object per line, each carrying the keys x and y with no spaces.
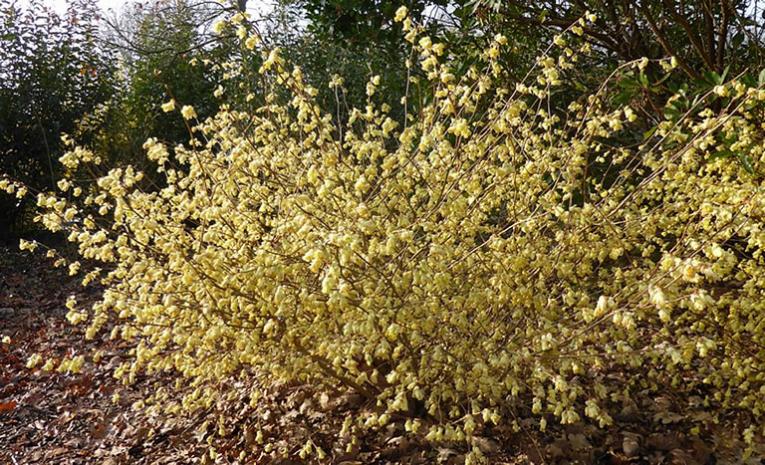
{"x":55,"y":418}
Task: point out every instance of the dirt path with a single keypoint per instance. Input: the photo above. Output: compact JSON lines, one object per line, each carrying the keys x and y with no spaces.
{"x":55,"y":418}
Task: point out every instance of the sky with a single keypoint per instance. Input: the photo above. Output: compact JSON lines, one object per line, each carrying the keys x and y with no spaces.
{"x":254,"y":6}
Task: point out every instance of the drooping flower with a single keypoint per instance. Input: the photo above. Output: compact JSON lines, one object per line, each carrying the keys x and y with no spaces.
{"x":188,"y":112}
{"x":401,"y":14}
{"x":168,"y":106}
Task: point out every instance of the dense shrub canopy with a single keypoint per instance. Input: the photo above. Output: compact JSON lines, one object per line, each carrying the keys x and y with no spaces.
{"x":493,"y":256}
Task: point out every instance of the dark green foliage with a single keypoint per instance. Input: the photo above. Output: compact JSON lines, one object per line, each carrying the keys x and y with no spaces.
{"x":52,"y":73}
{"x":361,"y":23}
{"x":357,"y":39}
{"x":166,"y":55}
{"x":704,"y":35}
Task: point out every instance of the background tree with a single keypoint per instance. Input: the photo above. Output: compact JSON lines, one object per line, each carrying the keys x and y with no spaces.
{"x":52,"y":73}
{"x":168,"y":51}
{"x":357,"y":39}
{"x":703,"y":35}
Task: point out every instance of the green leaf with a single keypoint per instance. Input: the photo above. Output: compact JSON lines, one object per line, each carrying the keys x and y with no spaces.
{"x":746,"y":161}
{"x":713,"y":78}
{"x":672,"y":113}
{"x":724,"y":74}
{"x":643,"y":79}
{"x":721,"y":154}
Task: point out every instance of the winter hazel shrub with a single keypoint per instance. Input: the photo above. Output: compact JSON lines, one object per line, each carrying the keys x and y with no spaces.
{"x":488,"y":257}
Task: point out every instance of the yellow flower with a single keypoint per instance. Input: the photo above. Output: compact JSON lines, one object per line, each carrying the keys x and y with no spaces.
{"x":252,"y":41}
{"x":33,"y":361}
{"x":50,"y":364}
{"x":721,"y":90}
{"x":657,"y":297}
{"x":188,"y":112}
{"x":401,"y":14}
{"x":168,"y":106}
{"x":31,"y":246}
{"x":336,"y":81}
{"x":460,"y":127}
{"x":76,"y":364}
{"x":74,"y":268}
{"x":630,"y":114}
{"x":219,"y":26}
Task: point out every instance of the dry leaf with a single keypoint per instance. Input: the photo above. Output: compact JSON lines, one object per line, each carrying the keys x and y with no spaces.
{"x":631,"y":444}
{"x":7,"y":406}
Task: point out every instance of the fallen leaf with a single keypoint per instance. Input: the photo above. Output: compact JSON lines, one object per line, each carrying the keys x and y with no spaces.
{"x":631,"y":444}
{"x":579,"y":441}
{"x":99,"y":430}
{"x":7,"y":406}
{"x":487,"y":446}
{"x":444,"y":453}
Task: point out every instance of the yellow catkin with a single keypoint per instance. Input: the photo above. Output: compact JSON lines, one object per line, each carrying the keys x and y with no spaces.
{"x":487,"y":252}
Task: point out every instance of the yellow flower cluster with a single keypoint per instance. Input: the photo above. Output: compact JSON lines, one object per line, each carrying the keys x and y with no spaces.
{"x":12,"y":188}
{"x":487,"y":254}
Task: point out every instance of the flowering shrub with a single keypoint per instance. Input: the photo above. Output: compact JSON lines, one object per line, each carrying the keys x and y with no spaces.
{"x":491,"y":254}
